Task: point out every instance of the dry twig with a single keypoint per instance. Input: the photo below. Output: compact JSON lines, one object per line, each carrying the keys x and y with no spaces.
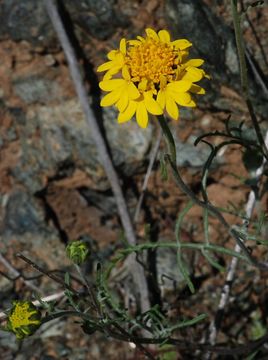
{"x":137,"y":269}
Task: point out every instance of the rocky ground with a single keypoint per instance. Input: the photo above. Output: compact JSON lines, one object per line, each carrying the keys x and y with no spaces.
{"x":54,"y":190}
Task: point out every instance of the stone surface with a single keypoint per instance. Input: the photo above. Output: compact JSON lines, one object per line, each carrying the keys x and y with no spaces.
{"x":65,"y":142}
{"x":23,"y":214}
{"x":97,"y":18}
{"x":214,"y":42}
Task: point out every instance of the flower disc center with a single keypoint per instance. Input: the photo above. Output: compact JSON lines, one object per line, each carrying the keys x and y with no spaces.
{"x":150,"y":60}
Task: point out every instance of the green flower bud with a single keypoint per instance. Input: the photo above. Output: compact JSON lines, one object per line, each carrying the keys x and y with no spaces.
{"x":78,"y":251}
{"x":23,"y":319}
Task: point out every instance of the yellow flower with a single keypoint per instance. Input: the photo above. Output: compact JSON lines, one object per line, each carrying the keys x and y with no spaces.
{"x":151,"y":74}
{"x":24,"y":319}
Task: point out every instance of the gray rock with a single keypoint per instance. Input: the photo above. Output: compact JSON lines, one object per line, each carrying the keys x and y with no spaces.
{"x":32,"y":223}
{"x":28,"y":20}
{"x":23,"y":214}
{"x":214,"y":42}
{"x":169,"y":277}
{"x":194,"y":157}
{"x":34,"y":88}
{"x":25,"y":20}
{"x":97,"y":18}
{"x":65,"y":142}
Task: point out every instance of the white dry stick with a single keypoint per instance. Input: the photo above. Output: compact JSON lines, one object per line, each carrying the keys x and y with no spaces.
{"x":225,"y":294}
{"x":16,"y":274}
{"x":147,"y":175}
{"x":48,"y":298}
{"x":136,"y":269}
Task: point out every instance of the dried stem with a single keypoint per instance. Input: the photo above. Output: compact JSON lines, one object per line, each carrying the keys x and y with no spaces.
{"x":16,"y":274}
{"x":137,"y":269}
{"x":147,"y":175}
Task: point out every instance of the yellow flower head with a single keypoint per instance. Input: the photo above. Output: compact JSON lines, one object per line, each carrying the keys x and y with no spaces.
{"x":24,"y":319}
{"x":150,"y":74}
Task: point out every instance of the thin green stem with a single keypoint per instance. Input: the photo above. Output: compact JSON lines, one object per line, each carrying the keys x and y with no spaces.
{"x":168,"y":137}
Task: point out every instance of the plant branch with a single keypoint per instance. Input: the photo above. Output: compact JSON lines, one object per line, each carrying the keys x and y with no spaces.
{"x":14,"y":272}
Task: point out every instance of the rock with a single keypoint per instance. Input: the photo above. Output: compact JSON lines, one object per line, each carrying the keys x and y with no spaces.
{"x":194,"y":157}
{"x":32,"y":89}
{"x":169,"y":277}
{"x":23,"y":214}
{"x":30,"y":222}
{"x":214,"y":42}
{"x":97,"y":18}
{"x":65,"y":142}
{"x":15,"y":14}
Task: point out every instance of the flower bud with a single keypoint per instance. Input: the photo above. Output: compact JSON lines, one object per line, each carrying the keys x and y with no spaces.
{"x":78,"y":251}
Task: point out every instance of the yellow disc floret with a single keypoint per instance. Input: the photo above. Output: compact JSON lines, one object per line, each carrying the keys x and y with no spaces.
{"x":150,"y":59}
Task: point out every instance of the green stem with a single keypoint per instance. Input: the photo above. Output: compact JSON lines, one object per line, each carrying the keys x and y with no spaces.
{"x":168,"y":137}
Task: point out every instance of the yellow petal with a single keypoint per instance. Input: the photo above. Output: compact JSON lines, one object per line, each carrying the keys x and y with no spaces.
{"x":140,"y":38}
{"x":105,"y":66}
{"x":134,"y":42}
{"x":142,"y":115}
{"x":172,"y":109}
{"x":193,"y":74}
{"x":194,"y":62}
{"x":182,"y":99}
{"x":125,"y":73}
{"x":182,"y":44}
{"x":164,"y":36}
{"x":152,"y":34}
{"x":151,"y":105}
{"x":110,"y":98}
{"x":112,"y":54}
{"x":191,"y":104}
{"x":123,"y":46}
{"x":114,"y":70}
{"x":132,"y":91}
{"x":128,"y":113}
{"x":161,"y":98}
{"x":123,"y":101}
{"x":110,"y":85}
{"x":179,"y":86}
{"x":143,"y":84}
{"x":196,"y":89}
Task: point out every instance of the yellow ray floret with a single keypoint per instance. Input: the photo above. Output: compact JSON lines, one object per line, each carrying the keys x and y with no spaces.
{"x":141,"y":107}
